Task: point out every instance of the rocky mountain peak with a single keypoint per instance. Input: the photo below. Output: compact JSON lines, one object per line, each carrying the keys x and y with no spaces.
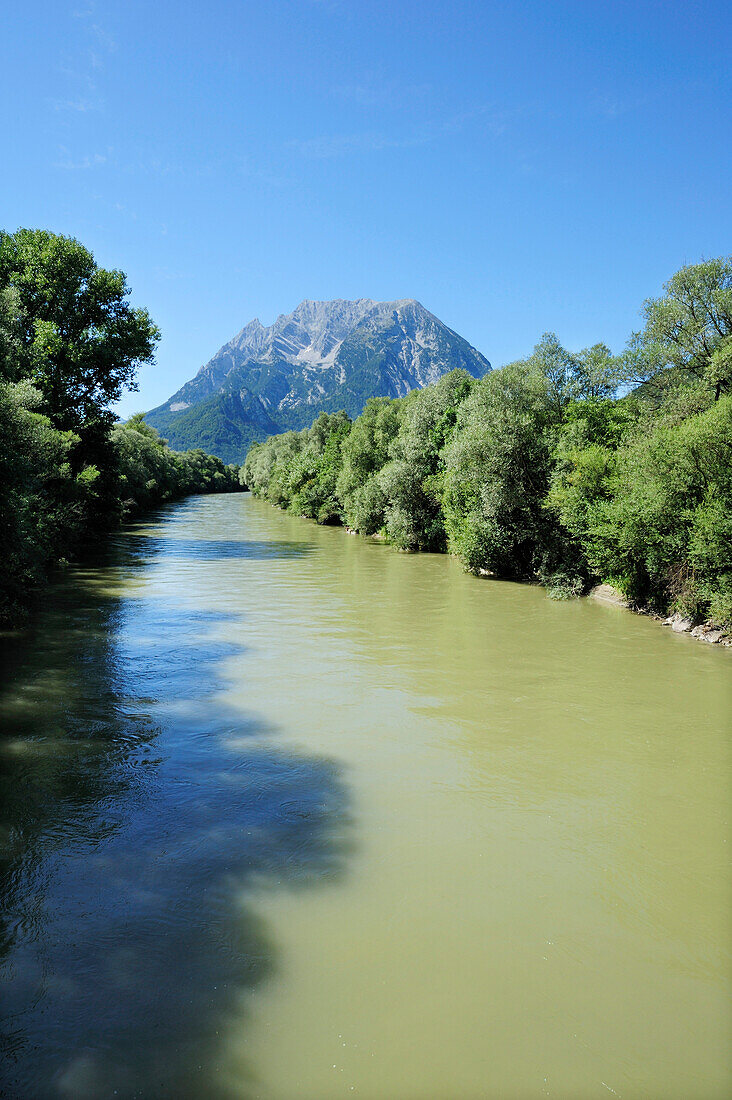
{"x":322,"y":355}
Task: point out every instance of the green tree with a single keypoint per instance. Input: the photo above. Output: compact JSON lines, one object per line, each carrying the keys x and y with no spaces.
{"x":82,"y":339}
{"x":687,"y":335}
{"x":69,"y":343}
{"x":655,"y":517}
{"x":14,"y":360}
{"x":42,"y":501}
{"x":412,"y":479}
{"x":597,"y":373}
{"x":538,"y":470}
{"x":365,"y":451}
{"x":497,"y":471}
{"x":558,"y":367}
{"x":313,"y":473}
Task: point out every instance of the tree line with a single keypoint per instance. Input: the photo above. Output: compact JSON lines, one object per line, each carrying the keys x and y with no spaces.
{"x":70,"y":343}
{"x":563,"y":468}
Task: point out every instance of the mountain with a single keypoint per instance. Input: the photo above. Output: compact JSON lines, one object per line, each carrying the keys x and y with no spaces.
{"x":322,"y":356}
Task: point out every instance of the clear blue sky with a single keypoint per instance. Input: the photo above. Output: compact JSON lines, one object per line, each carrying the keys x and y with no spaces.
{"x":517,"y":167}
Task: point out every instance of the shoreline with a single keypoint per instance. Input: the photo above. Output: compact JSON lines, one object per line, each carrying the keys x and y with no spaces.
{"x":701,"y":630}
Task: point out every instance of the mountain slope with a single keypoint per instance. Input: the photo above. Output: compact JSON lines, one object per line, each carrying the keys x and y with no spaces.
{"x":323,"y":355}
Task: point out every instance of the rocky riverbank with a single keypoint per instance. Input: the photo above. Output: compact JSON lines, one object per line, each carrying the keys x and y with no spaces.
{"x":703,"y":631}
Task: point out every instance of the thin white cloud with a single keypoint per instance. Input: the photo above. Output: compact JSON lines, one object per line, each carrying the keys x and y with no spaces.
{"x":83,"y":79}
{"x":372,"y":91}
{"x":78,"y":106}
{"x":68,"y":163}
{"x":338,"y":145}
{"x":492,"y":122}
{"x":81,"y":69}
{"x":103,"y":38}
{"x":607,"y":106}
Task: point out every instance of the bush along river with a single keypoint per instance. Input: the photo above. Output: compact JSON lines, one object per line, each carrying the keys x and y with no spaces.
{"x":288,"y":814}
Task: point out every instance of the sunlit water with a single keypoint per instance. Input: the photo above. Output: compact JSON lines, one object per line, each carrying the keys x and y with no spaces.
{"x":288,"y":814}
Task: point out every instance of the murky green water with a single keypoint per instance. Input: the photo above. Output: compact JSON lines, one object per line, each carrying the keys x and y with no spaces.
{"x":287,"y":814}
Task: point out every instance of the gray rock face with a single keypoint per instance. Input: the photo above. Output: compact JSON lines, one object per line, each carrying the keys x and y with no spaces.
{"x":607,"y":594}
{"x":707,"y":633}
{"x":681,"y":625}
{"x":323,"y":355}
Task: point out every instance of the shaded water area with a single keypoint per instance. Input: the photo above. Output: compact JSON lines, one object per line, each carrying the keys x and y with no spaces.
{"x":284,"y":813}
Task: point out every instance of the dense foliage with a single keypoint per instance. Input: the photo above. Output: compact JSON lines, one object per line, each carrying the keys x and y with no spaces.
{"x":69,"y":344}
{"x":540,"y":470}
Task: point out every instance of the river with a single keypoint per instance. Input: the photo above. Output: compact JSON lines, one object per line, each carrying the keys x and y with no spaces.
{"x":286,"y":814}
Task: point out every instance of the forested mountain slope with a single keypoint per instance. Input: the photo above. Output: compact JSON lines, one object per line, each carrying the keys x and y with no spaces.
{"x":324,"y":356}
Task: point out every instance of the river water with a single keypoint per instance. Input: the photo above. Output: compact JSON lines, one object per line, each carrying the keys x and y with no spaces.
{"x":285,"y":813}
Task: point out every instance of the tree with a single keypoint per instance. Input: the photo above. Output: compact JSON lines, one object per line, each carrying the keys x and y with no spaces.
{"x":497,"y":472}
{"x":688,"y":331}
{"x":589,"y":373}
{"x":82,"y":339}
{"x":42,"y":502}
{"x":597,"y":373}
{"x":412,"y":480}
{"x":364,"y":452}
{"x":654,"y":516}
{"x":559,"y":367}
{"x":313,"y":473}
{"x":13,"y":357}
{"x":69,"y":344}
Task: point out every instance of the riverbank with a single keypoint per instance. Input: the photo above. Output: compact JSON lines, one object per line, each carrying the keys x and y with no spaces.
{"x":702,"y":630}
{"x":53,"y":517}
{"x":513,"y":483}
{"x":699,"y":629}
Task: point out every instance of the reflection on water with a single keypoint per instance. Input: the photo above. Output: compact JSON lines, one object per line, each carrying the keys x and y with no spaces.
{"x":132,"y":818}
{"x":285,"y":815}
{"x":144,"y":547}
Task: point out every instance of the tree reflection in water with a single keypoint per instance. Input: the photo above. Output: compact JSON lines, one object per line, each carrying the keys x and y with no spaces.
{"x":130,"y":831}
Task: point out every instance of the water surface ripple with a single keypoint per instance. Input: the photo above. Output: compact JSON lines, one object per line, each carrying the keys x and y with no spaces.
{"x":286,"y":814}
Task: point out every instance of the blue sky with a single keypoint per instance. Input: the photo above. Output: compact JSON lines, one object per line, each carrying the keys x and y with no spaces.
{"x":517,"y":167}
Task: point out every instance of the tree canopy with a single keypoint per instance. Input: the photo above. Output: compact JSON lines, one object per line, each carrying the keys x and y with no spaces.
{"x":75,"y":332}
{"x":687,"y":337}
{"x":541,"y":471}
{"x":70,"y":342}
